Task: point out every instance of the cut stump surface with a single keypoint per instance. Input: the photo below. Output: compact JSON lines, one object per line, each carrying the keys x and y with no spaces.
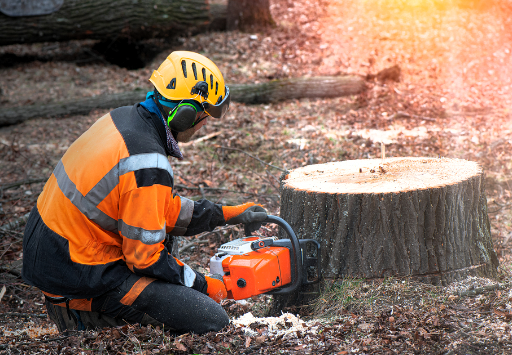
{"x":423,"y":218}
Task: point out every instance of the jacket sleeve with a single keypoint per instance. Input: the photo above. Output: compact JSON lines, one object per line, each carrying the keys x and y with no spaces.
{"x":146,"y":214}
{"x":198,"y":216}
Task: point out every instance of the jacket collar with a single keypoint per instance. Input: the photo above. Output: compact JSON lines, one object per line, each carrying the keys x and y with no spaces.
{"x":171,"y":145}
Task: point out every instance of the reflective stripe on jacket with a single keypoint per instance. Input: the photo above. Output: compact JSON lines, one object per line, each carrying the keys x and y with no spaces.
{"x":106,"y":209}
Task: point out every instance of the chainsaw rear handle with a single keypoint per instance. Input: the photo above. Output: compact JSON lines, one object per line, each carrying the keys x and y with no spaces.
{"x":296,"y":255}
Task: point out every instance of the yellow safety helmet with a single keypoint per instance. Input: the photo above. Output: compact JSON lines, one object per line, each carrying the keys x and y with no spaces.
{"x":191,"y":76}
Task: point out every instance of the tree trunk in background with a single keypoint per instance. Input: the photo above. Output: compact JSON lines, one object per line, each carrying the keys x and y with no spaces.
{"x":248,"y":15}
{"x":98,"y":19}
{"x":273,"y":91}
{"x":421,"y":218}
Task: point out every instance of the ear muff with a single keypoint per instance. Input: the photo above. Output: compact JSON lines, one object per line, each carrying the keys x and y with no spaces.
{"x":182,"y":117}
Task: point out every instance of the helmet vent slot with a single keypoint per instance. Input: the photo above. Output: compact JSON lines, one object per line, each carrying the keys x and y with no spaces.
{"x":216,"y":87}
{"x":194,"y":70}
{"x":211,"y":81}
{"x":172,"y":84}
{"x":184,"y":67}
{"x":204,"y":74}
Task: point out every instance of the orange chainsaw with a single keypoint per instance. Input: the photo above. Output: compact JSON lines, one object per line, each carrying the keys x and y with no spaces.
{"x":255,"y":265}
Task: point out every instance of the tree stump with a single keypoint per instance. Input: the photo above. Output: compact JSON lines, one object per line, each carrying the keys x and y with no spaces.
{"x":423,"y":218}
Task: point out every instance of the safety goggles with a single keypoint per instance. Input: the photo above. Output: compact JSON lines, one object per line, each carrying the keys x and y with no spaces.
{"x":220,"y":109}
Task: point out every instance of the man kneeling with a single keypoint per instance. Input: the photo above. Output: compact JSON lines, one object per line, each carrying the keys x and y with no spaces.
{"x":95,"y":243}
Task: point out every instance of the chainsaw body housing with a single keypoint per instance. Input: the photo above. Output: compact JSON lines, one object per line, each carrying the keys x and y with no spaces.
{"x":254,"y":265}
{"x":249,"y":268}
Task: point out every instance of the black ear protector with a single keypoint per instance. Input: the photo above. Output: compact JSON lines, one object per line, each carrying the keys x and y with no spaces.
{"x":182,"y":117}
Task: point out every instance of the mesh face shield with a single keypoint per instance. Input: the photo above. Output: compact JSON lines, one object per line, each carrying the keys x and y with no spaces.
{"x":218,"y":110}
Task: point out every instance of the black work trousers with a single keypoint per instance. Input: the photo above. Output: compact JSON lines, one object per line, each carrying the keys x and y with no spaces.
{"x":176,"y":308}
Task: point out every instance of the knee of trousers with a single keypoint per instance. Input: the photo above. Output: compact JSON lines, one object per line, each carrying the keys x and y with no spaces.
{"x":181,"y":309}
{"x":217,"y":320}
{"x":207,"y":319}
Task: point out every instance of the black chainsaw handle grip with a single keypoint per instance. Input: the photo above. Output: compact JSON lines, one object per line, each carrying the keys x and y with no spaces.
{"x":297,"y":256}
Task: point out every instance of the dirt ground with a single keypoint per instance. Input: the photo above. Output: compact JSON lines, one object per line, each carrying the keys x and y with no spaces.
{"x":453,"y":99}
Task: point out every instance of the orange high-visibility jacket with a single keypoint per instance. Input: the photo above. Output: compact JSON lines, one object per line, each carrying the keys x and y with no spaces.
{"x":106,"y":209}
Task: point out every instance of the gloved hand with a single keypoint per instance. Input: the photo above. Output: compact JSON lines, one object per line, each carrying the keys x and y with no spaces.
{"x":216,"y":289}
{"x":248,"y":214}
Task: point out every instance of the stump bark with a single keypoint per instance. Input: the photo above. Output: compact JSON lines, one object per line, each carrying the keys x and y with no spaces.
{"x":423,"y":218}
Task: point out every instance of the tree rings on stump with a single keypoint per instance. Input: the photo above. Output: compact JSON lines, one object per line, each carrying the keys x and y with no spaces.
{"x":423,"y":218}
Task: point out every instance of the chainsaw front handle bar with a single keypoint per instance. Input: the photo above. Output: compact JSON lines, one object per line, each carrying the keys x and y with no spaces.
{"x":296,"y":255}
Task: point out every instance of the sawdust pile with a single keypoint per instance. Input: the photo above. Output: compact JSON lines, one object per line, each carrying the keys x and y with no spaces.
{"x":286,"y":325}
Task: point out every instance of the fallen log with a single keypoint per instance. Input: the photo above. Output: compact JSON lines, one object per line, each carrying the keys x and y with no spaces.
{"x":273,"y":91}
{"x":98,"y":19}
{"x":419,"y":218}
{"x":298,"y":88}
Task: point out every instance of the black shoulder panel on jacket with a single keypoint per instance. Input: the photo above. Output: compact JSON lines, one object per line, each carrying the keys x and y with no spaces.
{"x":141,"y":136}
{"x":139,"y":133}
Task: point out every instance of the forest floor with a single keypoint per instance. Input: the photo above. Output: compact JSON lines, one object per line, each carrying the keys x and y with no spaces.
{"x":453,"y":99}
